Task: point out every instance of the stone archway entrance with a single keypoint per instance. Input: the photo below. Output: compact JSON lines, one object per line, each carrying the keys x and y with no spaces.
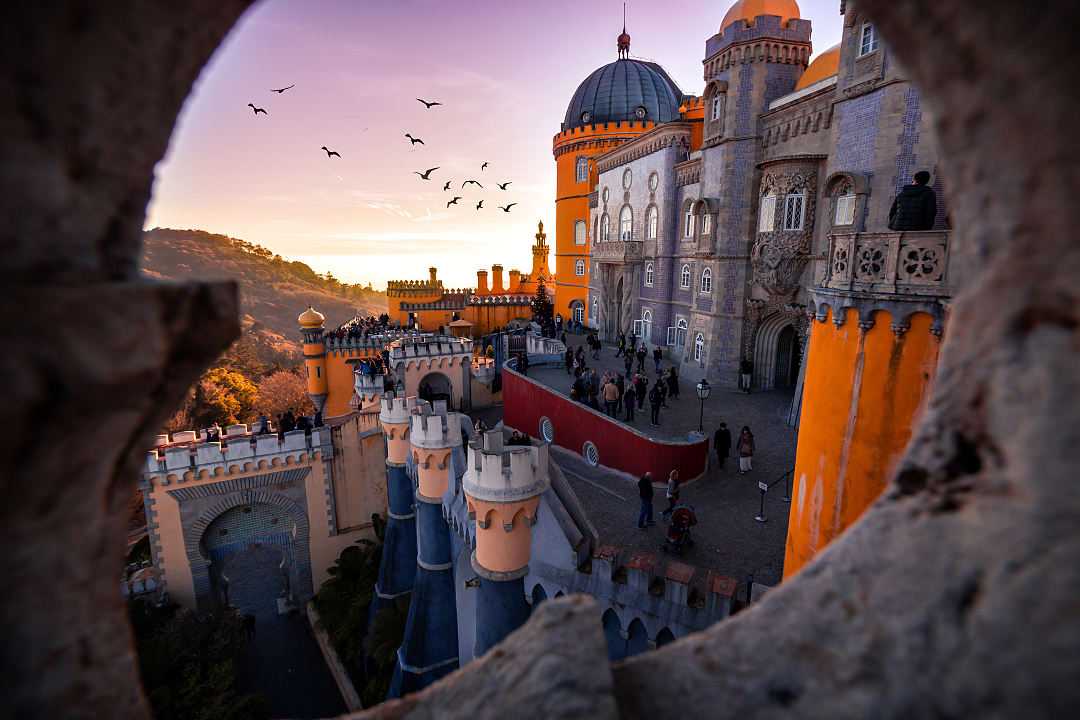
{"x":250,"y":554}
{"x":436,"y":386}
{"x":788,"y":357}
{"x":777,"y":353}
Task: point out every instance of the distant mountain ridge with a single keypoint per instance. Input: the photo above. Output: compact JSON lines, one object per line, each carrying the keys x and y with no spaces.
{"x":273,"y":290}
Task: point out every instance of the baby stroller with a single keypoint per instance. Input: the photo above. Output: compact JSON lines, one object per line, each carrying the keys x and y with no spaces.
{"x":678,"y":537}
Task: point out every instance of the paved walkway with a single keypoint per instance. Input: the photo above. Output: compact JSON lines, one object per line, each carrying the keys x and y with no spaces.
{"x":728,"y":538}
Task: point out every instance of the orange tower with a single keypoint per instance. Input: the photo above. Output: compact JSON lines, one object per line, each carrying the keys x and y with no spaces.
{"x":311,"y":327}
{"x":616,"y":103}
{"x":540,"y":250}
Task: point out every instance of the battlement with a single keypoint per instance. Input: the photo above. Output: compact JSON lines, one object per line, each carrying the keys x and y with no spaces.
{"x":764,"y":27}
{"x":500,"y":300}
{"x":369,"y":388}
{"x":189,"y":452}
{"x":436,"y":429}
{"x":396,"y":410}
{"x":578,"y":133}
{"x":430,"y":346}
{"x":498,"y":473}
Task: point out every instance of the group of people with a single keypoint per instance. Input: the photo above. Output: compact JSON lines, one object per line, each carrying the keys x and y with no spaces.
{"x":622,"y":393}
{"x":744,"y":447}
{"x":285,"y":422}
{"x":360,"y":327}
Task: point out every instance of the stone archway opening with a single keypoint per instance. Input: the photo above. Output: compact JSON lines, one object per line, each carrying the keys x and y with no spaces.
{"x":436,"y":386}
{"x":777,"y":354}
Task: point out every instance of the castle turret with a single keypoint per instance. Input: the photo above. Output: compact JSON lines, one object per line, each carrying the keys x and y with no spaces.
{"x":397,"y":570}
{"x":497,"y":280}
{"x":481,"y":282}
{"x":432,"y":273}
{"x":429,"y":648}
{"x":502,"y":487}
{"x":311,"y":323}
{"x":540,"y":250}
{"x":369,"y":389}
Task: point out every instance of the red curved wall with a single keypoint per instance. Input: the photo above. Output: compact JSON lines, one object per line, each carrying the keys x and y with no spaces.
{"x":526,"y":401}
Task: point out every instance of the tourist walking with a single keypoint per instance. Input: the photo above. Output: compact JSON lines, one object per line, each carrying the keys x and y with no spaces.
{"x":673,"y":382}
{"x":631,"y":346}
{"x":746,"y":450}
{"x":595,"y":342}
{"x":629,"y":397}
{"x":628,"y":362}
{"x":655,"y":401}
{"x":672,"y":493}
{"x":641,"y":358}
{"x":620,"y":346}
{"x":657,"y":356}
{"x":611,"y":398}
{"x":722,"y":444}
{"x":642,"y":385}
{"x":621,"y":384}
{"x":746,"y":375}
{"x":569,"y":361}
{"x":645,"y":492}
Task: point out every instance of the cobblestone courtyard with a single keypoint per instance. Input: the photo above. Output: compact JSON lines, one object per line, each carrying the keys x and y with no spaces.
{"x":728,"y":538}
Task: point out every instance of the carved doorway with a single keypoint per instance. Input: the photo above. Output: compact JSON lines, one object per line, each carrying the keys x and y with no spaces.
{"x":788,"y":357}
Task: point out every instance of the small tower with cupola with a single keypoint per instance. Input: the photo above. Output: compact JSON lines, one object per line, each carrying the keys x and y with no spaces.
{"x":311,"y":323}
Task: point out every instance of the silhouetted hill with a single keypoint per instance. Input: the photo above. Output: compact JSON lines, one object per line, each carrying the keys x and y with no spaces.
{"x":273,"y":290}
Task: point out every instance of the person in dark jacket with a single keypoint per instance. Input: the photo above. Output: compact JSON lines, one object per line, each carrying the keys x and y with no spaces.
{"x":641,"y":358}
{"x":569,"y":361}
{"x":722,"y":444}
{"x":657,"y":356}
{"x":673,"y":382}
{"x":629,"y":398}
{"x":915,"y":207}
{"x":656,"y":399}
{"x":645,"y":492}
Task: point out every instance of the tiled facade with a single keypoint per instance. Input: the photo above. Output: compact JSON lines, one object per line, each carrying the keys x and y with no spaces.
{"x":767,"y":135}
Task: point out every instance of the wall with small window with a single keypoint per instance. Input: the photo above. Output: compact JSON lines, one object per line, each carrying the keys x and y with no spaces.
{"x":715,"y":100}
{"x":846,"y":196}
{"x":580,"y":233}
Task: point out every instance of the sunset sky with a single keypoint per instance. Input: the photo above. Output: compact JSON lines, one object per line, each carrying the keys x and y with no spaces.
{"x":505,"y":71}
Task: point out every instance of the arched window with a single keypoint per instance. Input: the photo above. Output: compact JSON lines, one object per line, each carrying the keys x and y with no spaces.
{"x":684,"y":279}
{"x":706,"y":221}
{"x":626,"y":224}
{"x":794,"y":210}
{"x":648,"y":274}
{"x":652,"y":223}
{"x":844,"y":214}
{"x":767,"y":215}
{"x":706,"y":280}
{"x":680,"y":332}
{"x":582,"y":170}
{"x":577,"y":310}
{"x":579,"y":268}
{"x":699,"y":347}
{"x":688,"y":222}
{"x":646,"y":325}
{"x":604,"y":228}
{"x":717,"y":107}
{"x":579,"y":232}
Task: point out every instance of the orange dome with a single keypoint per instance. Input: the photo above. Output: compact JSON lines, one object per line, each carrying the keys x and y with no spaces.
{"x":823,"y":66}
{"x":311,"y":318}
{"x":749,"y":9}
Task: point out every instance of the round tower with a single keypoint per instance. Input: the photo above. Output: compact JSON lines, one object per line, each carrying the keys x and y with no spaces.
{"x":311,"y":323}
{"x":614,"y":104}
{"x":502,"y":489}
{"x":429,"y":647}
{"x":397,"y":570}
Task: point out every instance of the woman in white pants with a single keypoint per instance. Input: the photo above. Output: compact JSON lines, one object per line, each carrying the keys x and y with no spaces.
{"x":745,"y":447}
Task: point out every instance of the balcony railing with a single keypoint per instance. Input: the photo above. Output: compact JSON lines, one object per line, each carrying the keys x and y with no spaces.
{"x":900,"y":263}
{"x":618,"y":251}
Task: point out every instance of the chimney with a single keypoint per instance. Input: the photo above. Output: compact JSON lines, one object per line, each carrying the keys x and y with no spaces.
{"x":515,"y":280}
{"x":481,"y":282}
{"x":431,"y":272}
{"x":497,"y":280}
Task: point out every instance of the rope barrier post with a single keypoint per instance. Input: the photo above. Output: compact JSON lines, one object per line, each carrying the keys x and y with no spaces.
{"x":764,"y":488}
{"x":787,"y":486}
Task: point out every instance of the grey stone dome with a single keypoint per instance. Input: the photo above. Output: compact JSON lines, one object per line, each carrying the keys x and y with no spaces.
{"x":615,"y":91}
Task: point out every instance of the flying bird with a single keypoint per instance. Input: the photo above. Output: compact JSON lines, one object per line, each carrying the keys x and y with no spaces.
{"x":414,"y":140}
{"x":479,"y":204}
{"x":281,"y":90}
{"x":454,"y":201}
{"x":484,"y":166}
{"x":330,"y":153}
{"x":471,"y":182}
{"x":257,"y":109}
{"x":427,"y":104}
{"x":507,"y":208}
{"x":502,"y":186}
{"x":447,"y":185}
{"x":426,"y":175}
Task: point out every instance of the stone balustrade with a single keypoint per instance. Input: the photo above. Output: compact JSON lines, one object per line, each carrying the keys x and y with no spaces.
{"x":897,"y":263}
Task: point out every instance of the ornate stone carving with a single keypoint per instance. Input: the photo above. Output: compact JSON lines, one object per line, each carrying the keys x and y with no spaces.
{"x":779,"y":257}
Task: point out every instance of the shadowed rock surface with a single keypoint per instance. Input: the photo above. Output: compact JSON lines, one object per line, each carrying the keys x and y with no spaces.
{"x":955,"y":596}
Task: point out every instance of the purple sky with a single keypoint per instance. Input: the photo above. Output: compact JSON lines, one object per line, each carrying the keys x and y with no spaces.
{"x":505,"y":71}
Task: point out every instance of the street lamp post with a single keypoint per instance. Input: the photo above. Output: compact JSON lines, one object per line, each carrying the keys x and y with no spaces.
{"x":703,"y":391}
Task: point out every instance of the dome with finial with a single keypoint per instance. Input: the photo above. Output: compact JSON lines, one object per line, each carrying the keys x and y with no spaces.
{"x":748,"y":10}
{"x":311,"y":318}
{"x":825,"y":65}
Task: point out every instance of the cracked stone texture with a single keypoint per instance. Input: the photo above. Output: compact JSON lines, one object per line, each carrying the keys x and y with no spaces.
{"x":555,"y":666}
{"x":954,"y":597}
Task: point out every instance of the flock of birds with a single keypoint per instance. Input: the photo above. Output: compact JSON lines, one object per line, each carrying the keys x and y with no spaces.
{"x":413,"y":142}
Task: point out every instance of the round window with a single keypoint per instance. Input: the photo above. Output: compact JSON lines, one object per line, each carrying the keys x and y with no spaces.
{"x":547,"y":430}
{"x":640,"y":112}
{"x":590,"y":453}
{"x":627,"y":178}
{"x":654,"y":181}
{"x":586,"y":116}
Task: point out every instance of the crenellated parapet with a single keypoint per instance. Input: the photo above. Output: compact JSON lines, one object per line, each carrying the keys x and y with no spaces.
{"x":434,"y":435}
{"x":767,"y":39}
{"x":598,"y":137}
{"x":369,"y":389}
{"x":188,"y":456}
